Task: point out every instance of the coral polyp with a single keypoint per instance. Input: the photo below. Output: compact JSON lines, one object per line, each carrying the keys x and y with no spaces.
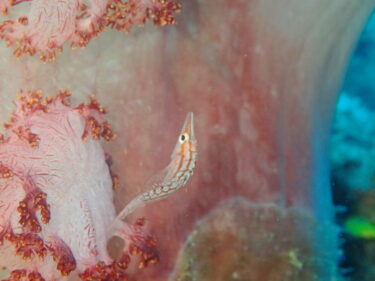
{"x":50,"y":23}
{"x":56,"y":194}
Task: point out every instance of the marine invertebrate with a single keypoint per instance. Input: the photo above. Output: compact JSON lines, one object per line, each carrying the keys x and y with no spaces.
{"x":56,"y":194}
{"x":252,"y":241}
{"x":51,"y":23}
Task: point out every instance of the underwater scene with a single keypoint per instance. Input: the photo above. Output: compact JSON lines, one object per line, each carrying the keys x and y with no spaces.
{"x":187,"y":140}
{"x":351,"y":155}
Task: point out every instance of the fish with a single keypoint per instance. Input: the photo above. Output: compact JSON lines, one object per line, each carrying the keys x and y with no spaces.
{"x":360,"y":227}
{"x":174,"y":176}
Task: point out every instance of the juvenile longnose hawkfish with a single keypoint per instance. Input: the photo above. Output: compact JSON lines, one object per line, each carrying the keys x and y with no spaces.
{"x":172,"y":177}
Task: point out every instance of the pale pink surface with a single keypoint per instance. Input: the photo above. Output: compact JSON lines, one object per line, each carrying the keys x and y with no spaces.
{"x":260,"y":77}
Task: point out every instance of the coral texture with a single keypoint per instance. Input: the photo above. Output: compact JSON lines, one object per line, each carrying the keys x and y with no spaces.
{"x":243,"y":241}
{"x":56,"y":194}
{"x":51,"y":23}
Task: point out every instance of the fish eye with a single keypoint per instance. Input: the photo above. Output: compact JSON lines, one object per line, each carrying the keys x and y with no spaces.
{"x":184,"y":137}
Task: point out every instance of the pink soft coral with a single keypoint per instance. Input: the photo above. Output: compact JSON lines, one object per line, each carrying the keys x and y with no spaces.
{"x":56,"y":194}
{"x":51,"y":23}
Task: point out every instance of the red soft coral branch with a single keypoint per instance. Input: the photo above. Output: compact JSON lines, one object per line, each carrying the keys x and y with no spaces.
{"x":51,"y":23}
{"x":50,"y":193}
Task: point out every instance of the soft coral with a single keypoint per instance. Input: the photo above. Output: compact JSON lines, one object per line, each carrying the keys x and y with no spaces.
{"x":56,"y":197}
{"x":51,"y":23}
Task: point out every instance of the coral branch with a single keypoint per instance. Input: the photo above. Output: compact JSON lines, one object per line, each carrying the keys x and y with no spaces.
{"x":138,"y":243}
{"x":24,"y":133}
{"x":22,"y":275}
{"x":54,"y":195}
{"x":51,"y":23}
{"x":62,"y":255}
{"x":96,"y":126}
{"x":5,"y":172}
{"x":17,"y":275}
{"x":34,"y":200}
{"x":122,"y":15}
{"x":103,"y":272}
{"x":27,"y":245}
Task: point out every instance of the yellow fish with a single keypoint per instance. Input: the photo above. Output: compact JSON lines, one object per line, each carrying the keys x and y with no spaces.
{"x":360,"y":227}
